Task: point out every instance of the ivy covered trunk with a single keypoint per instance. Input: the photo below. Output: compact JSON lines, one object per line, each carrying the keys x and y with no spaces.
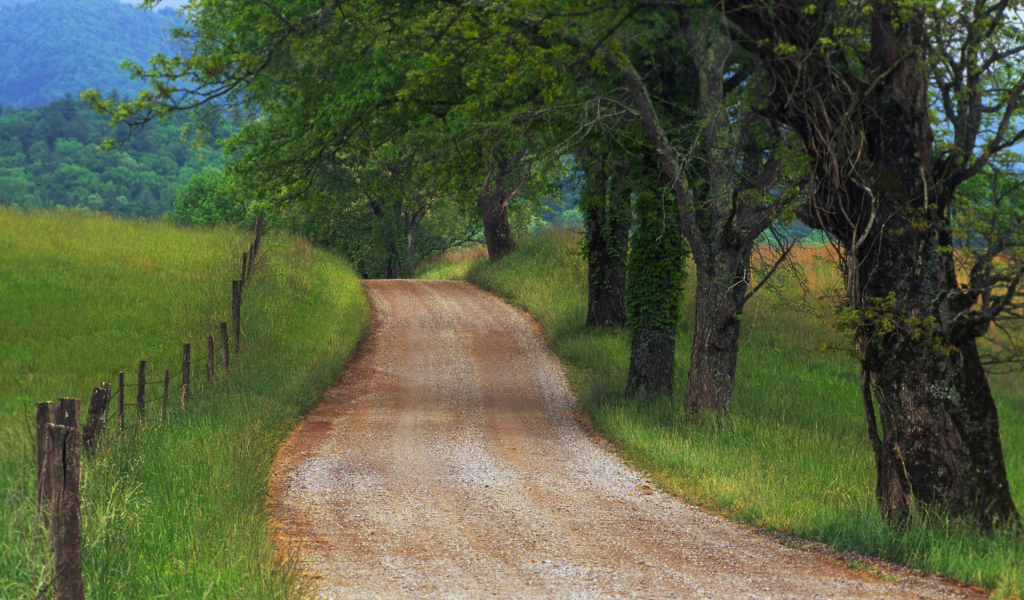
{"x":653,"y":294}
{"x":720,"y":295}
{"x":607,"y":215}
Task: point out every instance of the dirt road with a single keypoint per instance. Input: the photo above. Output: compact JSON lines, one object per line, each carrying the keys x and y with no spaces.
{"x":447,"y":464}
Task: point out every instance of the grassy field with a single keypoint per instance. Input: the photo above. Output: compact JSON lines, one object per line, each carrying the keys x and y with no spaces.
{"x":171,"y":510}
{"x":795,"y":458}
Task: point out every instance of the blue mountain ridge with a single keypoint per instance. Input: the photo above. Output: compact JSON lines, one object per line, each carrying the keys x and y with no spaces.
{"x":49,"y":48}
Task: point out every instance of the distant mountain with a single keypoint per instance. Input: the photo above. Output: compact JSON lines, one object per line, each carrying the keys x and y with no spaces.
{"x":52,"y":47}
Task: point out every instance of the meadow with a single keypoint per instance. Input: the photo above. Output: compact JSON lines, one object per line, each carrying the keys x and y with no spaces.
{"x":175,"y":509}
{"x":795,"y":457}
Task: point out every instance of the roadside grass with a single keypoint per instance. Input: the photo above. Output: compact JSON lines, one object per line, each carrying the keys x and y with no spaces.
{"x":453,"y":264}
{"x":174,"y":510}
{"x":795,"y":457}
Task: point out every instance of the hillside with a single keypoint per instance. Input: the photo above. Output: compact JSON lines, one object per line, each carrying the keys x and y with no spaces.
{"x":48,"y":157}
{"x":52,"y":47}
{"x":174,"y":509}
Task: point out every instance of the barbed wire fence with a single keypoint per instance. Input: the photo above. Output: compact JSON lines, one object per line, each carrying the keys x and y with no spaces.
{"x":61,"y":437}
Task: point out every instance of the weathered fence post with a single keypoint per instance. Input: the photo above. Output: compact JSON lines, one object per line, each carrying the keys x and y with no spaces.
{"x":224,"y":344}
{"x":259,"y":229}
{"x":209,"y":359}
{"x":245,"y":268}
{"x":46,"y":413}
{"x":65,"y":516}
{"x":120,"y":398}
{"x":236,"y":313}
{"x":140,"y":400}
{"x":186,"y":374}
{"x":252,"y":258}
{"x":94,"y":422}
{"x":167,"y":390}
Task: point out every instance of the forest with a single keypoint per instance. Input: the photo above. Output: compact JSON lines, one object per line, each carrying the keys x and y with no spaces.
{"x":50,"y":156}
{"x":886,"y":125}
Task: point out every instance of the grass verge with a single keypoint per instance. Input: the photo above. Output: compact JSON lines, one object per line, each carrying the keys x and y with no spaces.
{"x":173,"y":510}
{"x":795,"y":458}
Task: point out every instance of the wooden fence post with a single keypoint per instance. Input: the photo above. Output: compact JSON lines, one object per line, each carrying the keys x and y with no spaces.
{"x":209,"y":359}
{"x":236,"y":313}
{"x":93,"y":430}
{"x":65,"y":515}
{"x":167,"y":390}
{"x":252,"y":258}
{"x":186,"y":374}
{"x":258,"y":237}
{"x":245,"y":268}
{"x":46,"y":413}
{"x":224,"y":344}
{"x":120,"y":398}
{"x":140,"y":400}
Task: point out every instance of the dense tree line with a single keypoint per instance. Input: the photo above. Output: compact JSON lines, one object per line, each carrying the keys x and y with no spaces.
{"x":49,"y":156}
{"x":884,"y":124}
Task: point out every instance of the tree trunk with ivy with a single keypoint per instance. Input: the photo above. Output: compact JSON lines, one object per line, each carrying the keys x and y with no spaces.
{"x":936,"y":434}
{"x":723,"y":214}
{"x":653,"y":293}
{"x":607,"y":214}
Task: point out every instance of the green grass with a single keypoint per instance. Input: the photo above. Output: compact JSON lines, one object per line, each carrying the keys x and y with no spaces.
{"x":795,"y":457}
{"x":174,"y":510}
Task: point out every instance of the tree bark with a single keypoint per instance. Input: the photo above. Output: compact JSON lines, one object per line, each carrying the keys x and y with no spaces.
{"x":871,"y":143}
{"x":607,"y":214}
{"x":720,"y":296}
{"x":652,"y":361}
{"x":497,"y":191}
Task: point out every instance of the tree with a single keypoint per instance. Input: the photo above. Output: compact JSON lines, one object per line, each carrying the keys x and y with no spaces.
{"x":725,"y":168}
{"x":654,"y":282}
{"x":310,"y":77}
{"x":865,"y":84}
{"x":208,"y":198}
{"x":607,"y":210}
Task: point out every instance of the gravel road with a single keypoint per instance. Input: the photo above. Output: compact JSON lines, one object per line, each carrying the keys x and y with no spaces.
{"x":448,"y":463}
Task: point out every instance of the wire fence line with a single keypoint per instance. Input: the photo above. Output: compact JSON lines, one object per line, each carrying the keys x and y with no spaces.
{"x":62,"y":438}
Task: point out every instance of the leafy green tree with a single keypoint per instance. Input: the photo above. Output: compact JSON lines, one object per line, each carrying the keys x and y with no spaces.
{"x":207,"y":198}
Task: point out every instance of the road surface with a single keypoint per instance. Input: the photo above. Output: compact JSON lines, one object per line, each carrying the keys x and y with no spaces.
{"x":449,"y":463}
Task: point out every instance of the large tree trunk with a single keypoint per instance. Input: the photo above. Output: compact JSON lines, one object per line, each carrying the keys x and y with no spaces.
{"x":497,"y":230}
{"x":607,"y":214}
{"x":720,"y":295}
{"x":498,"y":189}
{"x":939,"y":448}
{"x":653,"y":294}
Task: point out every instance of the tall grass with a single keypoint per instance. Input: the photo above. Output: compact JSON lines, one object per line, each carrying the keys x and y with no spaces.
{"x":795,"y":457}
{"x":173,"y":510}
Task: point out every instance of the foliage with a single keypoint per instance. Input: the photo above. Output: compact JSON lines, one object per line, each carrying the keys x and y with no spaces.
{"x":48,"y":157}
{"x":176,"y":509}
{"x":656,"y":267}
{"x":54,"y":47}
{"x":207,"y":197}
